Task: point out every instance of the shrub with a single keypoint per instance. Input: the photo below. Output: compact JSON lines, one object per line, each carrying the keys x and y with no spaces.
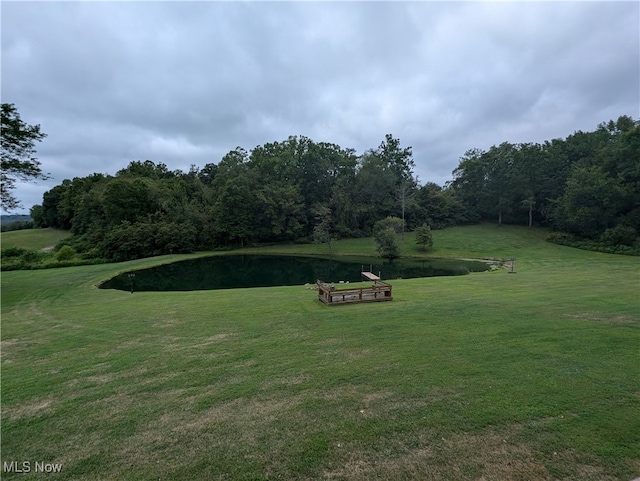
{"x":13,"y":252}
{"x":619,"y":235}
{"x":562,"y":238}
{"x":387,"y":245}
{"x":16,"y":225}
{"x":394,"y":223}
{"x":424,"y":237}
{"x":565,"y":239}
{"x":65,"y":253}
{"x":32,"y":257}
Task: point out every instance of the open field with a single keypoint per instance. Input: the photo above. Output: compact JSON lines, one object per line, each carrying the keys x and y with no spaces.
{"x":490,"y":376}
{"x":34,"y":239}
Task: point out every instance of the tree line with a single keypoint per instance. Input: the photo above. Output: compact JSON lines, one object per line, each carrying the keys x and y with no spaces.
{"x":586,"y":186}
{"x":278,"y":192}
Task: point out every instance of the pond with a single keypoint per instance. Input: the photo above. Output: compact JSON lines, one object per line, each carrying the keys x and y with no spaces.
{"x":238,"y":271}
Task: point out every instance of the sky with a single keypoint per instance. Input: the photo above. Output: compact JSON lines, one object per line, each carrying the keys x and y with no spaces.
{"x":183,"y":83}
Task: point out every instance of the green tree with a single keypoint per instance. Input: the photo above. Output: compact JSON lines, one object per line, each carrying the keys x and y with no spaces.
{"x":374,"y":191}
{"x":18,"y":155}
{"x":385,"y":235}
{"x":282,"y":210}
{"x":384,"y":180}
{"x":236,"y":212}
{"x":390,"y":222}
{"x":424,"y":237}
{"x":399,"y":160}
{"x":439,"y":207}
{"x":406,"y":193}
{"x":36,"y":215}
{"x":322,"y":229}
{"x":128,"y":199}
{"x":386,"y":243}
{"x":590,"y":203}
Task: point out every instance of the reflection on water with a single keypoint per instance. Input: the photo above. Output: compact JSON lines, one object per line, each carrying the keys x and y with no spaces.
{"x":236,"y":271}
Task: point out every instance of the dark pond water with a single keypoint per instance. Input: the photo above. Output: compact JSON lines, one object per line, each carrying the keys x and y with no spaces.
{"x":236,"y":271}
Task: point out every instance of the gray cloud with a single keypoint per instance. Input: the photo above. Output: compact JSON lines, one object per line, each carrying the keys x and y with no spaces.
{"x":184,"y":83}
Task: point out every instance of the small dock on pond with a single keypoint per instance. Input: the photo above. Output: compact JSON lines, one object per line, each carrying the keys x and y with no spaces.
{"x":370,"y":276}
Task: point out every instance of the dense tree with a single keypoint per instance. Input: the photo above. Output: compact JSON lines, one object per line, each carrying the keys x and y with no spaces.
{"x":128,"y":200}
{"x":439,"y":207}
{"x":424,"y":237}
{"x":18,"y":154}
{"x":386,"y":242}
{"x":585,"y":184}
{"x":590,"y":203}
{"x":385,"y":235}
{"x":298,"y":190}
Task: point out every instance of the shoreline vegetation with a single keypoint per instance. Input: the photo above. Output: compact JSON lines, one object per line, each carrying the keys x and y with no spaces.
{"x":40,"y":248}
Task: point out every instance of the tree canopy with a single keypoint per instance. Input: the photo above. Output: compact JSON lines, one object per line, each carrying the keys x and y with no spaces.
{"x":18,"y":154}
{"x":582,"y":185}
{"x":587,"y":185}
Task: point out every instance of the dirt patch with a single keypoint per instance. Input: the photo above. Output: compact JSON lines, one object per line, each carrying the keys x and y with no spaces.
{"x":286,"y":381}
{"x":115,"y":404}
{"x":482,"y":457}
{"x":8,"y":343}
{"x":102,"y":379}
{"x":213,"y":339}
{"x":171,"y":322}
{"x":6,"y":347}
{"x":28,"y":410}
{"x":130,"y":344}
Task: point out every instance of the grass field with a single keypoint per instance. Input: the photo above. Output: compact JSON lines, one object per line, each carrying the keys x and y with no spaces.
{"x":490,"y":376}
{"x":34,"y":239}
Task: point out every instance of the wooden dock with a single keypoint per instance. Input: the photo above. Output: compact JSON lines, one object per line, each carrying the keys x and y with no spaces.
{"x":379,"y":291}
{"x":370,"y":276}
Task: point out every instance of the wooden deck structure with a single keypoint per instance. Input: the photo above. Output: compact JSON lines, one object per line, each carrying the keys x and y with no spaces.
{"x":379,"y":291}
{"x":370,"y":276}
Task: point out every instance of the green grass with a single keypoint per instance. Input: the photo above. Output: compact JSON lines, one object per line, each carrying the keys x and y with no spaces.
{"x":33,"y":239}
{"x":496,"y":376}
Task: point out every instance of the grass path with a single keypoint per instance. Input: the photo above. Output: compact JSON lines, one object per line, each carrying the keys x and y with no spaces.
{"x":495,"y":376}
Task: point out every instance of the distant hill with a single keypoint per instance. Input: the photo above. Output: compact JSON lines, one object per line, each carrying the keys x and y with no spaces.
{"x":5,"y":219}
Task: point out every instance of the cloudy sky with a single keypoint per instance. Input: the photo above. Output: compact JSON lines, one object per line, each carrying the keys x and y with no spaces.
{"x":184,"y":83}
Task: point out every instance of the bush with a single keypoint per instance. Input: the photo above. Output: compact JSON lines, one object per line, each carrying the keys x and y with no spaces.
{"x":65,"y":253}
{"x":130,"y":241}
{"x":394,"y":223}
{"x":387,"y":245}
{"x":13,"y":252}
{"x":569,"y":240}
{"x":33,"y":257}
{"x":562,"y":238}
{"x":424,"y":237}
{"x":619,"y":235}
{"x":16,"y":225}
{"x":15,"y":258}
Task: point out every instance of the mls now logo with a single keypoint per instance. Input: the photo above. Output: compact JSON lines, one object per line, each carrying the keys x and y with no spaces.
{"x":26,"y":467}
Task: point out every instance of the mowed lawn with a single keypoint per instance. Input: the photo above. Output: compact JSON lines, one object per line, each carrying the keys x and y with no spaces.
{"x":490,"y":376}
{"x":34,"y":239}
